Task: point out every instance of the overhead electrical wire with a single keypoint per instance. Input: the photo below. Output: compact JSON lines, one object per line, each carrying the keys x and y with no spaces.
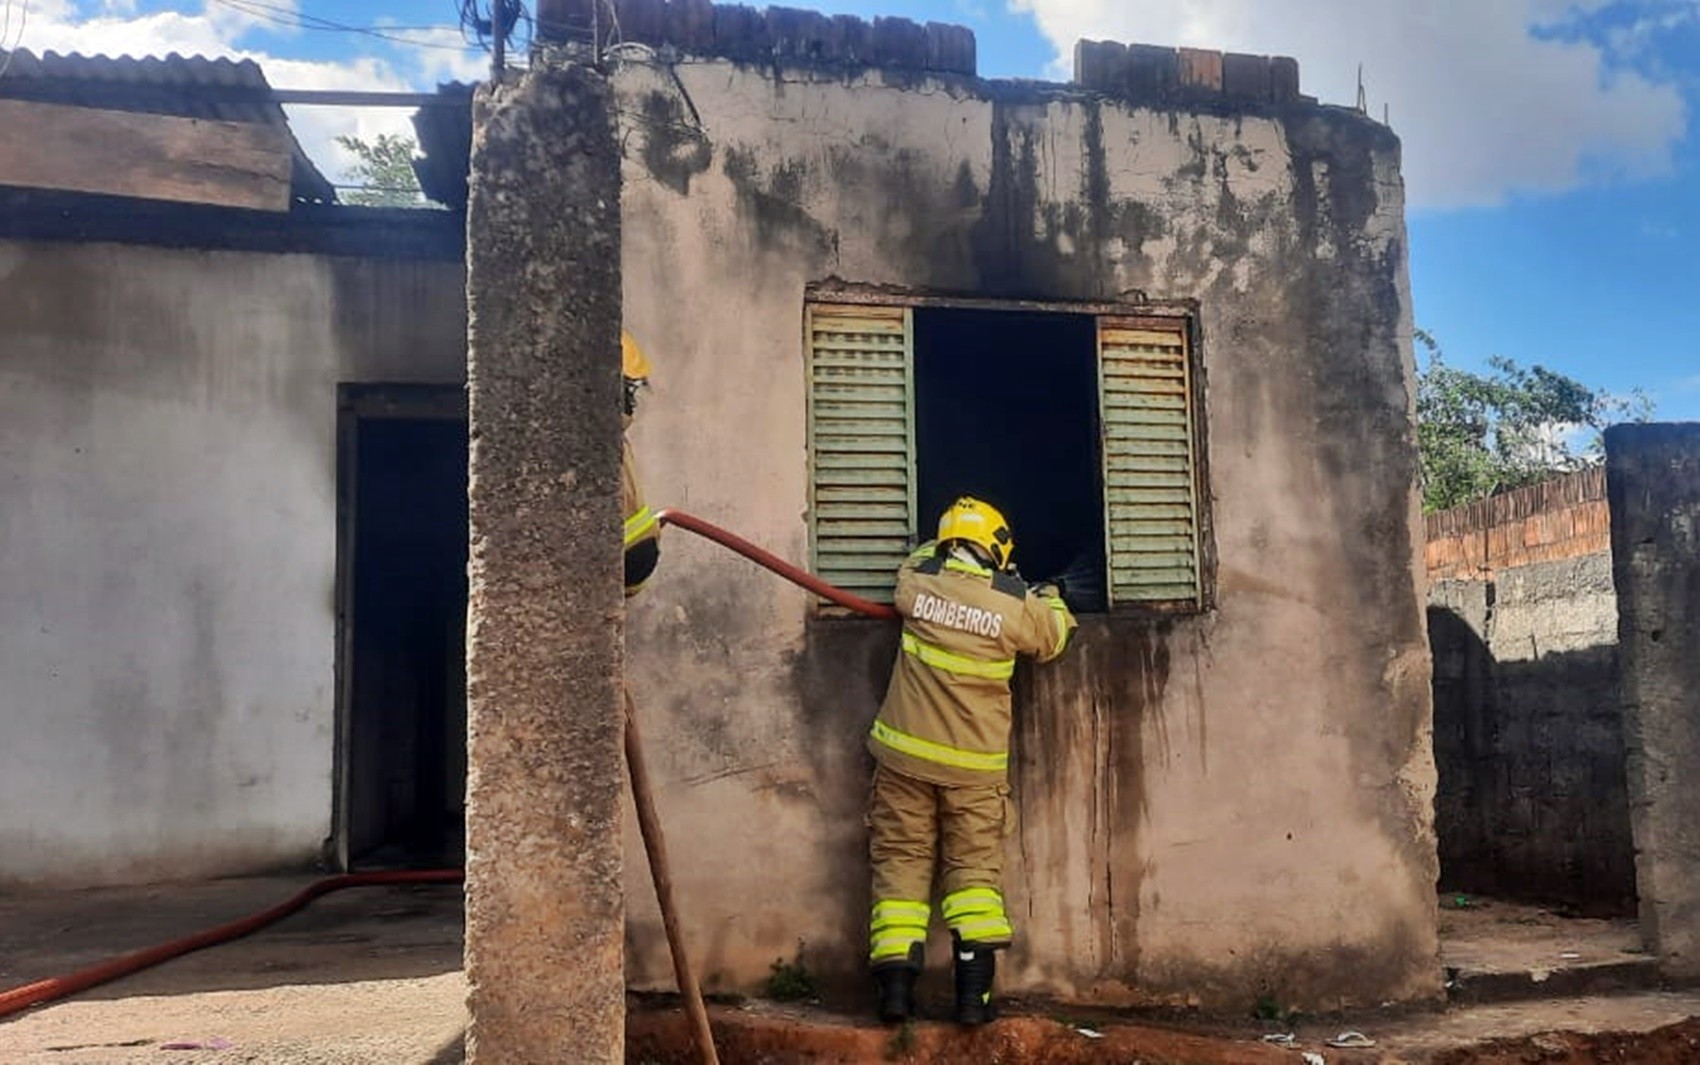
{"x":285,"y":16}
{"x":482,"y":23}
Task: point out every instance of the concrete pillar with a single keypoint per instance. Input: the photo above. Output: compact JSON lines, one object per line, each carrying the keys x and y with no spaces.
{"x":1653,"y":483}
{"x":545,"y":776}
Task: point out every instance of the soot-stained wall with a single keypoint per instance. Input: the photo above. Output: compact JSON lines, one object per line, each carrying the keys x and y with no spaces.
{"x":1211,"y":807}
{"x":1532,"y":800}
{"x":1653,"y":483}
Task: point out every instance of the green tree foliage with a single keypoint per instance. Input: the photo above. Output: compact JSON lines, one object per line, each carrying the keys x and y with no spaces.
{"x":385,"y":170}
{"x":1482,"y":433}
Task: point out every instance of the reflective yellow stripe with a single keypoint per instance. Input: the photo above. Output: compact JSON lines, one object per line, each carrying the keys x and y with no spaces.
{"x":971,"y":901}
{"x":639,"y":524}
{"x":928,"y":751}
{"x":898,"y":920}
{"x":901,"y":907}
{"x":893,"y":946}
{"x":951,"y":662}
{"x":988,"y":931}
{"x":897,"y":925}
{"x":967,"y":567}
{"x":977,"y":915}
{"x":924,"y":552}
{"x":1059,"y":608}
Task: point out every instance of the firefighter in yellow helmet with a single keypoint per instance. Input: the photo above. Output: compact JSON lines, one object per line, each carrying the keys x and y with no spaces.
{"x":941,"y":742}
{"x":643,"y":532}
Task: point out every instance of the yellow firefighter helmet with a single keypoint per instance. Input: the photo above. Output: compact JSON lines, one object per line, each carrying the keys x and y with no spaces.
{"x":634,"y":364}
{"x":979,"y":523}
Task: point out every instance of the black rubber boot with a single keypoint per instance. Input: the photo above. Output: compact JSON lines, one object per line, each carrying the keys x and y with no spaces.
{"x":896,"y":982}
{"x":976,"y":967}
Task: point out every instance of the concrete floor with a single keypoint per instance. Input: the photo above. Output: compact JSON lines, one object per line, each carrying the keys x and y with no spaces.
{"x":1491,"y":936}
{"x":373,"y":975}
{"x":1496,"y":951}
{"x":365,"y":975}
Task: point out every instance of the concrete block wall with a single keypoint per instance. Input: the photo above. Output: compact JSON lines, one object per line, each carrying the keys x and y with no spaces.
{"x":1532,"y":802}
{"x":1654,"y":486}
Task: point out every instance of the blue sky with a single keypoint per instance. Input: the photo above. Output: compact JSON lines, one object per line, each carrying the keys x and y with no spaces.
{"x":1552,"y":170}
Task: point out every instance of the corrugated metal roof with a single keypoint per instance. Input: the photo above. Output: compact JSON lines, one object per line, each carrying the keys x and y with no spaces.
{"x":186,"y":86}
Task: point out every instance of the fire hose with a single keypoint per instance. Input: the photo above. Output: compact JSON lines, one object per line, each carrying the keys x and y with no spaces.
{"x":21,"y":998}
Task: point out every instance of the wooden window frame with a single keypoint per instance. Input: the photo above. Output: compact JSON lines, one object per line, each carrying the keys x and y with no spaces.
{"x":1180,"y":317}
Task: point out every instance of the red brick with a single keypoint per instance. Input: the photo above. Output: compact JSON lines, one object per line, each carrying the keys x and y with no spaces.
{"x":950,"y":49}
{"x":1200,"y":68}
{"x":1284,"y":78}
{"x":1100,"y":65}
{"x":643,"y":20}
{"x":690,"y":25}
{"x":855,"y":38}
{"x":1246,"y":77}
{"x":741,"y":33}
{"x":1151,"y":70}
{"x":899,"y":42}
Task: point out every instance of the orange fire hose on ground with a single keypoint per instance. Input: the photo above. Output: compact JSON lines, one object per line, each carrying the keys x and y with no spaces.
{"x":22,"y":998}
{"x":18,"y":999}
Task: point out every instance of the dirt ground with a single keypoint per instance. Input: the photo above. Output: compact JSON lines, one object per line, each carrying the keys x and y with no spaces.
{"x":766,"y":1034}
{"x":1489,"y":935}
{"x":1678,"y":1044}
{"x":373,"y":976}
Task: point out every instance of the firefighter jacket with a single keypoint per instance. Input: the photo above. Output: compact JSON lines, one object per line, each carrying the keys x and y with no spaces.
{"x":643,"y":532}
{"x":946,"y":716}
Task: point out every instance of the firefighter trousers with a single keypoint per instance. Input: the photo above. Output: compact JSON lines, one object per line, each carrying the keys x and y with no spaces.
{"x":914,"y":824}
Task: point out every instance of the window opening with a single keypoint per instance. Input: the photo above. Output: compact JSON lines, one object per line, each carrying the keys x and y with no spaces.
{"x":1081,"y":427}
{"x":1006,"y":409}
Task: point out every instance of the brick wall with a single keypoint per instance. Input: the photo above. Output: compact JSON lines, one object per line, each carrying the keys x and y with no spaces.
{"x":1528,"y":730}
{"x":776,"y":34}
{"x":1147,"y":70}
{"x":803,"y":37}
{"x":1555,"y":520}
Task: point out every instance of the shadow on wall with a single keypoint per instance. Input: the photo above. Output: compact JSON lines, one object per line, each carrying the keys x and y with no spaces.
{"x":1533,"y":802}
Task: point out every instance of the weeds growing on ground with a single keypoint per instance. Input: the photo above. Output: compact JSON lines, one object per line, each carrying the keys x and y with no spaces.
{"x":790,"y":981}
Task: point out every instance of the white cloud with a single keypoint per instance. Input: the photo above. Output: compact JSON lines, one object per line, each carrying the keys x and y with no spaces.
{"x":112,"y":28}
{"x":443,"y":55}
{"x":1491,"y":97}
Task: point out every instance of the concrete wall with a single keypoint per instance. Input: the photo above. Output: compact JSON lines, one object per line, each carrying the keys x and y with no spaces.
{"x":167,"y":545}
{"x":1653,"y":473}
{"x":544,"y":887}
{"x":1528,"y":730}
{"x":1211,"y":807}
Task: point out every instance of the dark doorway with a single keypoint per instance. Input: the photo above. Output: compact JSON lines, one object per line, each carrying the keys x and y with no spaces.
{"x":1006,"y":409}
{"x":402,"y":761}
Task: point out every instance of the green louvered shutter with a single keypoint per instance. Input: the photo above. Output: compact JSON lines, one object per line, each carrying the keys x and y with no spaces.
{"x":861,"y":444}
{"x":1150,"y":472}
